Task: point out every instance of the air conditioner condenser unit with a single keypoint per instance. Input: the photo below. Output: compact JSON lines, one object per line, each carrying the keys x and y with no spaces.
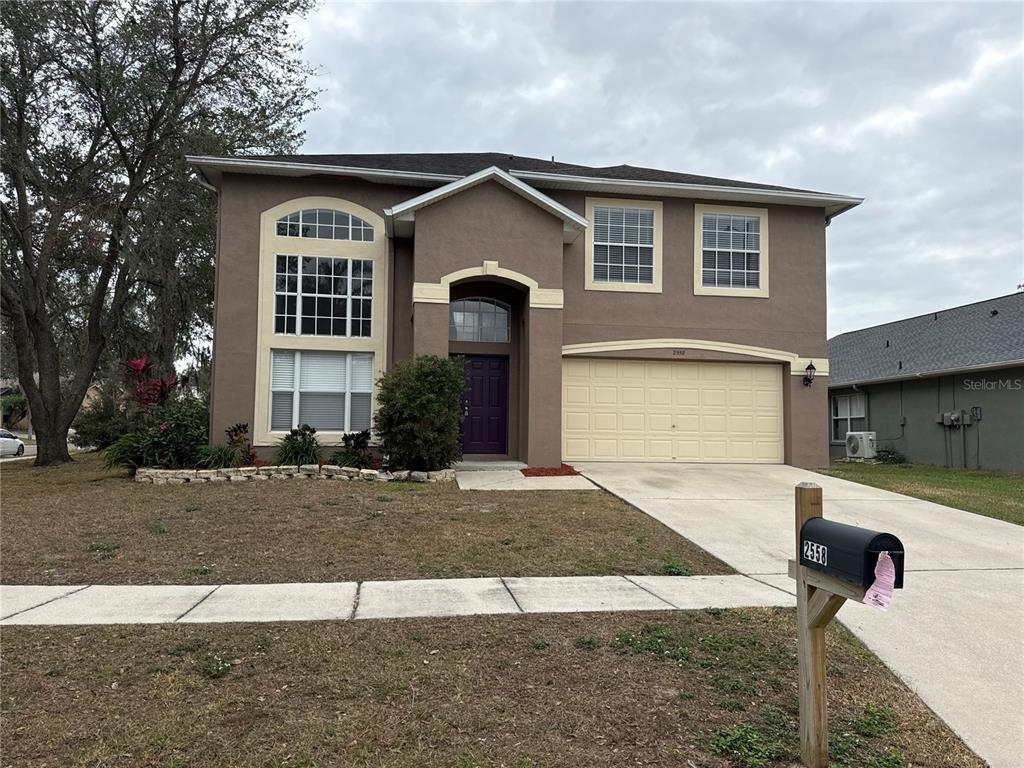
{"x":860,"y":445}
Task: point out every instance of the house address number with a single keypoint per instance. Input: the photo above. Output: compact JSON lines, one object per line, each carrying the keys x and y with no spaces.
{"x":816,"y":553}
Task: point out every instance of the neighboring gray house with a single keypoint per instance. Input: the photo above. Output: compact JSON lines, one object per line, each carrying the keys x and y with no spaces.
{"x":944,"y":388}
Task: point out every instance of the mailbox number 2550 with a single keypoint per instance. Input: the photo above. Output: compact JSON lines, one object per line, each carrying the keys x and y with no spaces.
{"x":816,"y":553}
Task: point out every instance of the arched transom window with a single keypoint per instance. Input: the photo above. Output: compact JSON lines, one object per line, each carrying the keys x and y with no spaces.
{"x":478,"y":319}
{"x":324,"y":224}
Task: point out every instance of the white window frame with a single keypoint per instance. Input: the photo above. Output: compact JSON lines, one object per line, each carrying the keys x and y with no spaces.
{"x":622,"y":287}
{"x":699,"y":289}
{"x":354,"y":223}
{"x":833,"y":419}
{"x":348,"y":296}
{"x":297,"y":394}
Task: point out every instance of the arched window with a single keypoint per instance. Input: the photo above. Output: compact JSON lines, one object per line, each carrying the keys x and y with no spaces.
{"x":478,"y":319}
{"x":324,"y":224}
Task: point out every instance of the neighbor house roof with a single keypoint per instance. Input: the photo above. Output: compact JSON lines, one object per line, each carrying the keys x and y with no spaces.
{"x":436,"y":169}
{"x":986,"y":334}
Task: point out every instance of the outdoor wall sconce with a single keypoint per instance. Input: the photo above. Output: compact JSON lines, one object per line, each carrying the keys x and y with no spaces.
{"x":809,"y":374}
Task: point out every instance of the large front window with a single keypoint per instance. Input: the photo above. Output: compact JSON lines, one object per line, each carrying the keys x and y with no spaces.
{"x":848,"y":415}
{"x":623,"y":245}
{"x":478,"y":319}
{"x":323,"y":296}
{"x":329,"y":391}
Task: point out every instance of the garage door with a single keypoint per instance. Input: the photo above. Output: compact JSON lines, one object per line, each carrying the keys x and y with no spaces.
{"x":639,"y":410}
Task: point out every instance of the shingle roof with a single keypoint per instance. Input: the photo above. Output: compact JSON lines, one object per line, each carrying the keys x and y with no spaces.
{"x":974,"y":335}
{"x":465,"y":163}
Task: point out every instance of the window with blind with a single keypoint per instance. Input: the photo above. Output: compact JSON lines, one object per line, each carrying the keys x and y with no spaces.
{"x":329,"y":391}
{"x":623,"y":245}
{"x":730,"y":251}
{"x":323,"y":296}
{"x":849,"y":414}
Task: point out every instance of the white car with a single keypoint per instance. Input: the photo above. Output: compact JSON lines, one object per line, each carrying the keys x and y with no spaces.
{"x":10,"y":445}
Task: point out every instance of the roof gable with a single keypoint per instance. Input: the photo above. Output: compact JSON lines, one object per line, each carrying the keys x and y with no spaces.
{"x":400,"y":219}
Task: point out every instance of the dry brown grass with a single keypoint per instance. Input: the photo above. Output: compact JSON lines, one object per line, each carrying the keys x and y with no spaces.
{"x":81,"y":524}
{"x":527,"y":690}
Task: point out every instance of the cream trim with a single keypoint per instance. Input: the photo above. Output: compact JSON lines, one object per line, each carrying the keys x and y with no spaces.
{"x":659,"y":226}
{"x":797,"y":362}
{"x":271,"y":244}
{"x":750,"y":293}
{"x":439,"y":292}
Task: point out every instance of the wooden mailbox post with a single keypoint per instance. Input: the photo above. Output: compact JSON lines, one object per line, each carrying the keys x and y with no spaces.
{"x":819,"y":597}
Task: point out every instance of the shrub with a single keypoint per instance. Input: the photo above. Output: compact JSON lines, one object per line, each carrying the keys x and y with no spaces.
{"x":237,"y":452}
{"x":101,"y":422}
{"x":125,"y":452}
{"x":299,"y":446}
{"x":890,"y":456}
{"x":355,"y":450}
{"x":419,"y":413}
{"x":181,"y":429}
{"x":173,"y":441}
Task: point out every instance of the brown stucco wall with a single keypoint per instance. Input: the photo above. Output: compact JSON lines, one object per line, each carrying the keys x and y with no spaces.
{"x":488,"y":223}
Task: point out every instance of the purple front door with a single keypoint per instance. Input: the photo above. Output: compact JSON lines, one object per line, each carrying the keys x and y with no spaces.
{"x":485,"y":426}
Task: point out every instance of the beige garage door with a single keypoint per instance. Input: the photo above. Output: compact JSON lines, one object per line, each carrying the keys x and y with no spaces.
{"x":639,"y":410}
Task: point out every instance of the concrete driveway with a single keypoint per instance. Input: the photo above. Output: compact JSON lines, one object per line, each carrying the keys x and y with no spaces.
{"x":955,"y":634}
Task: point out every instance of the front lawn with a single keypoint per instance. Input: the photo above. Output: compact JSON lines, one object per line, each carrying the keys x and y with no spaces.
{"x":993,"y":494}
{"x":79,"y":524}
{"x":702,"y":689}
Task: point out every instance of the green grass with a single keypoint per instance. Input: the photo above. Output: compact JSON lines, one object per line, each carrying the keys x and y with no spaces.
{"x":984,"y":492}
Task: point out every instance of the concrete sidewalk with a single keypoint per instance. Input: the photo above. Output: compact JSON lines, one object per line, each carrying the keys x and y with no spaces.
{"x":514,"y":480}
{"x":955,"y":634}
{"x":133,"y":604}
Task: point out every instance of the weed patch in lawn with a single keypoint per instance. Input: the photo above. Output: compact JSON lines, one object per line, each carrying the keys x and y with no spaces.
{"x":158,"y":528}
{"x":588,"y":642}
{"x":876,"y":721}
{"x":653,"y":640}
{"x":747,"y":747}
{"x":199,"y":570}
{"x":672,"y":567}
{"x":103,"y":551}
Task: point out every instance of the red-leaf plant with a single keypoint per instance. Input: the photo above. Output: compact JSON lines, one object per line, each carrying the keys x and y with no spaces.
{"x":149,"y":391}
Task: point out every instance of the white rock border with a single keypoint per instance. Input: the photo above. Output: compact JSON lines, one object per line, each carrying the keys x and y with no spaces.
{"x":303,"y":472}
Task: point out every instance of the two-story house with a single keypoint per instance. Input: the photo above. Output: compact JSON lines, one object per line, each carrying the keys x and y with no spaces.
{"x":605,"y":314}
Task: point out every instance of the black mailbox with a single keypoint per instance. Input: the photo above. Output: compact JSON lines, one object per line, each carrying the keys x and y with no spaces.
{"x":848,"y":552}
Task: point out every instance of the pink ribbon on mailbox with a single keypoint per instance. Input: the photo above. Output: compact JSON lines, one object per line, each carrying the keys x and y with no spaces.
{"x":879,"y":594}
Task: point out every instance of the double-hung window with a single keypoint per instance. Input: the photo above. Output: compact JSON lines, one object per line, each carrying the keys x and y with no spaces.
{"x":849,"y":414}
{"x":623,"y":245}
{"x":329,"y":391}
{"x":731,"y":251}
{"x":323,"y":296}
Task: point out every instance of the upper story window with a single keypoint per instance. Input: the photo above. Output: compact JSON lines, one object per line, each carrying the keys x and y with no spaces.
{"x":323,"y":296}
{"x":324,"y":224}
{"x":623,"y":245}
{"x":731,"y":251}
{"x":478,"y":319}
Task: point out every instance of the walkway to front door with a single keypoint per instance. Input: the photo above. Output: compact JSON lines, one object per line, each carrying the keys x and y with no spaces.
{"x":485,"y":427}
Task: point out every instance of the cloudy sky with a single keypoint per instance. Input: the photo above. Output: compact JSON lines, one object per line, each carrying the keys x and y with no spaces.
{"x":915,"y":106}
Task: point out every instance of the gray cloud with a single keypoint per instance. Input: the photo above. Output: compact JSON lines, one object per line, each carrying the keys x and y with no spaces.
{"x":917,"y":107}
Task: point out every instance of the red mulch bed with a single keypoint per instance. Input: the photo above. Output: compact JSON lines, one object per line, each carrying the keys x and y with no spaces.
{"x":561,"y":471}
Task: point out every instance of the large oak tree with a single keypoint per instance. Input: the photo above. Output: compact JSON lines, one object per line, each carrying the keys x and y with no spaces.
{"x":107,"y":236}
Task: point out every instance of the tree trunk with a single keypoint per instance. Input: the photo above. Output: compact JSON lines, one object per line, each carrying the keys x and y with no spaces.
{"x":51,"y":443}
